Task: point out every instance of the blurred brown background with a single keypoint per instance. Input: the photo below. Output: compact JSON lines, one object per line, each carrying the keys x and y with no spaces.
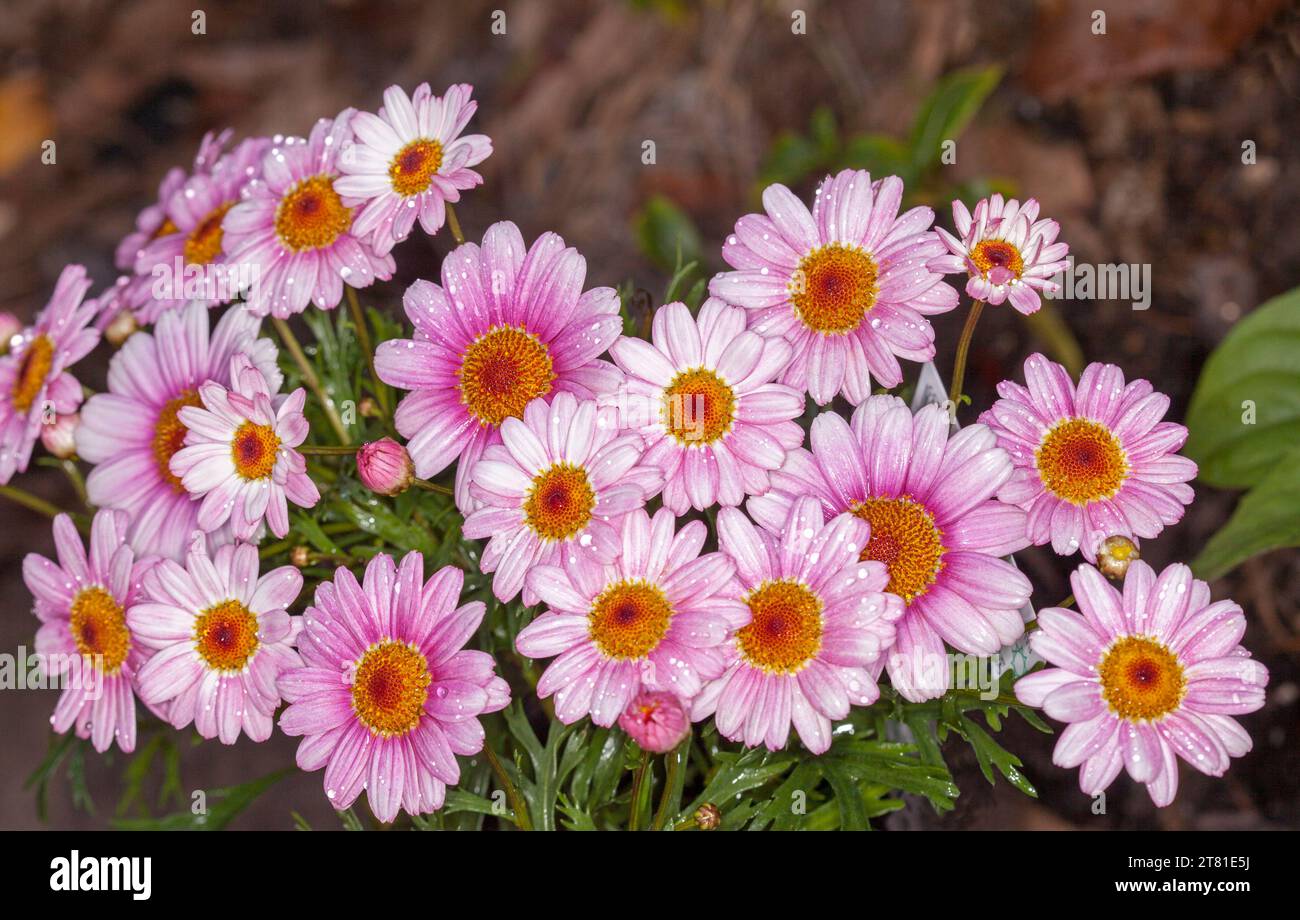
{"x":1132,"y":140}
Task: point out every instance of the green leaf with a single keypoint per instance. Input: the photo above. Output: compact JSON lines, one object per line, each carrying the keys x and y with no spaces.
{"x":879,"y":154}
{"x":229,"y":803}
{"x":1267,"y":518}
{"x":853,"y":816}
{"x":666,"y":234}
{"x":990,"y":754}
{"x":947,"y":110}
{"x":1253,"y":370}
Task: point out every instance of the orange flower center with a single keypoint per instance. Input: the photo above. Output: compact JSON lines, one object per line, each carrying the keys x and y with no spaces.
{"x":629,"y":619}
{"x":98,"y":626}
{"x":166,"y":228}
{"x":990,"y":254}
{"x":502,"y":371}
{"x":169,"y":436}
{"x":312,"y":215}
{"x":253,"y":449}
{"x":204,"y":242}
{"x":415,"y":166}
{"x":833,"y":288}
{"x":698,"y":407}
{"x":390,"y":688}
{"x":226,"y":636}
{"x":1081,"y":461}
{"x":33,"y":368}
{"x":786,"y":630}
{"x":560,"y":502}
{"x":904,"y":537}
{"x":1141,"y":679}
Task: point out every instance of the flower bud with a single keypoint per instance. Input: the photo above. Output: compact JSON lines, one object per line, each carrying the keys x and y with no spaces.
{"x":10,"y":326}
{"x":656,"y":721}
{"x":59,"y":436}
{"x":1115,"y":555}
{"x":300,"y":556}
{"x":368,"y":407}
{"x":385,"y":467}
{"x":707,"y":817}
{"x":122,"y":327}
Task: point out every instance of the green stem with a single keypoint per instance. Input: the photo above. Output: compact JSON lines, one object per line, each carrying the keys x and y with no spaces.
{"x":28,"y":500}
{"x":512,"y":793}
{"x":73,"y":473}
{"x":963,"y":348}
{"x":309,"y":377}
{"x":363,"y":336}
{"x":638,"y":786}
{"x":432,"y":487}
{"x":325,"y":450}
{"x":673,"y":761}
{"x":454,"y":226}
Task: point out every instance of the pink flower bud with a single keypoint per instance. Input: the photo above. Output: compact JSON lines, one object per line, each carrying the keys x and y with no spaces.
{"x":385,"y":467}
{"x":10,"y":326}
{"x":59,"y":437}
{"x":656,"y":721}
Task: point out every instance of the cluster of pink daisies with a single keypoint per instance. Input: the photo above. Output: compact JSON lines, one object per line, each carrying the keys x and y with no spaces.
{"x":865,"y":542}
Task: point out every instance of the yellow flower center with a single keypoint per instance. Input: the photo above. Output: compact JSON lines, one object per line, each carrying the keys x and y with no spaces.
{"x":629,"y":619}
{"x":312,"y":215}
{"x":98,"y":625}
{"x":1141,"y":679}
{"x":990,"y":254}
{"x":698,"y":407}
{"x":226,"y":636}
{"x":904,"y":537}
{"x":560,"y":502}
{"x":169,"y":436}
{"x":33,"y":368}
{"x":414,"y":166}
{"x":786,"y":630}
{"x":204,"y":242}
{"x":833,"y":288}
{"x":253,"y":450}
{"x":502,"y":371}
{"x":1081,"y":461}
{"x":390,"y":688}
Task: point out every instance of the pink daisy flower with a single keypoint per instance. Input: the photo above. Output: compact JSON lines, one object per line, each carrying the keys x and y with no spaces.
{"x":153,"y":223}
{"x":507,"y":326}
{"x":132,"y":432}
{"x":656,"y":720}
{"x":1008,"y":252}
{"x":221,"y":636}
{"x":293,"y":233}
{"x":84,"y":638}
{"x":1092,"y":461}
{"x":409,"y":160}
{"x":847,"y":285}
{"x":651,"y":619}
{"x":35,"y":385}
{"x":819,"y":623}
{"x":1141,"y":677}
{"x":555,"y":490}
{"x":239,"y":455}
{"x":172,"y":262}
{"x":934,"y":524}
{"x":711,"y":418}
{"x":388,"y":695}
